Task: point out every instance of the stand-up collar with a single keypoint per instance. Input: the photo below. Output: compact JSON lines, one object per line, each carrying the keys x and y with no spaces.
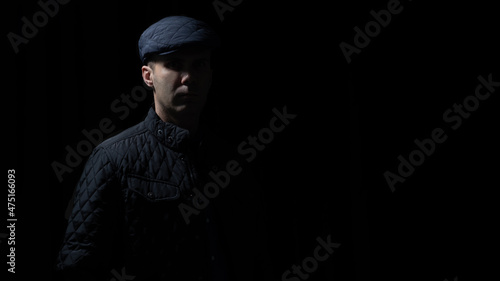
{"x":171,"y":135}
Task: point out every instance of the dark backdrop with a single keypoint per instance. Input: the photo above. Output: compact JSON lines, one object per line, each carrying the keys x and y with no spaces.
{"x":323,"y":175}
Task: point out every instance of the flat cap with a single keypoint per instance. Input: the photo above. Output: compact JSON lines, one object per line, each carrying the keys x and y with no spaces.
{"x":173,"y":33}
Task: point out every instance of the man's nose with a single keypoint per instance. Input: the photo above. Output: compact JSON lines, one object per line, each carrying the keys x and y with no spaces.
{"x":187,"y":77}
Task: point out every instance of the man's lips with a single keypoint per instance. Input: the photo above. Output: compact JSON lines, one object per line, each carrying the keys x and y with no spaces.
{"x":188,"y":96}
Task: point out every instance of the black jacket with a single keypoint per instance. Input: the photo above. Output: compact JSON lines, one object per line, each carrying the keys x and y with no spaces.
{"x":126,"y":222}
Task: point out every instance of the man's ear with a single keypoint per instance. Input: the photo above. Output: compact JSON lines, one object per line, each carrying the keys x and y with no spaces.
{"x":147,"y":75}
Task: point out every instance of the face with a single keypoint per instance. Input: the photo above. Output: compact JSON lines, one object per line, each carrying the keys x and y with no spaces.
{"x":180,"y":83}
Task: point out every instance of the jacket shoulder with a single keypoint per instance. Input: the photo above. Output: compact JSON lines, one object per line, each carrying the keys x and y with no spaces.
{"x":124,"y":145}
{"x":129,"y":133}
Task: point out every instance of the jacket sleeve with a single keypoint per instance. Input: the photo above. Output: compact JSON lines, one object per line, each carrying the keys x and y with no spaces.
{"x":90,"y":240}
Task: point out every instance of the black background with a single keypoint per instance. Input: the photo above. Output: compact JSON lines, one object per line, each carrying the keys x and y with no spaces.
{"x":324,"y":173}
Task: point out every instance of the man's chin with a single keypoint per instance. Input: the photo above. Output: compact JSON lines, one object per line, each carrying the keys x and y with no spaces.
{"x":190,"y":108}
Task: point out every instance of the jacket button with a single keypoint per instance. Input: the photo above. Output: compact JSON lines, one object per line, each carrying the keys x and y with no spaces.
{"x":170,"y":139}
{"x":150,"y":194}
{"x":159,"y":132}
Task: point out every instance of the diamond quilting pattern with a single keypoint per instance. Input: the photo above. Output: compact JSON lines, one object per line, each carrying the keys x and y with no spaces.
{"x":105,"y":205}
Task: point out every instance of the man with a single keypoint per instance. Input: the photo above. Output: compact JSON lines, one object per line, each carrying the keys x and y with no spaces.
{"x":126,"y":222}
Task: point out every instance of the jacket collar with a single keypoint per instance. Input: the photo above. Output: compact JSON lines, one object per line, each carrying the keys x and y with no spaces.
{"x":171,"y":135}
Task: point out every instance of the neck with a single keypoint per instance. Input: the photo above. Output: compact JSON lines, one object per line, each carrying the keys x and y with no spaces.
{"x":189,"y":121}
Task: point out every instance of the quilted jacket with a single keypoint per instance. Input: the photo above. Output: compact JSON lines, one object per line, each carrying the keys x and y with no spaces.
{"x":126,"y":224}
